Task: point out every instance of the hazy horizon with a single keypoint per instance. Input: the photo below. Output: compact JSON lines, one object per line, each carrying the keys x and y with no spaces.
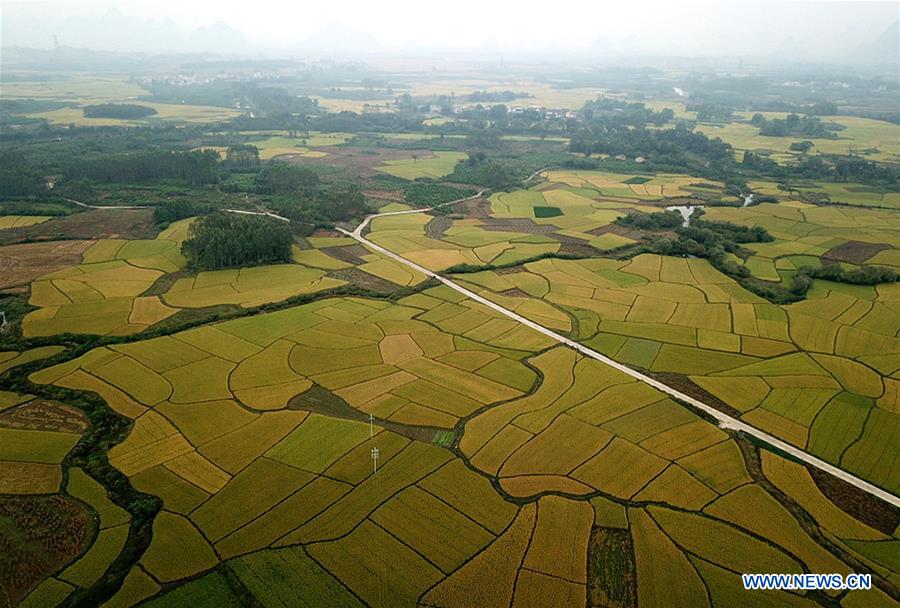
{"x":830,"y":31}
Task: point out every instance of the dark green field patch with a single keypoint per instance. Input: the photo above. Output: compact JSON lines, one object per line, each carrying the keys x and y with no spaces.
{"x":547,"y":212}
{"x":637,"y":179}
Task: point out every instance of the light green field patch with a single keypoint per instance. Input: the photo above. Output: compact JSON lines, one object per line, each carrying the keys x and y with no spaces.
{"x":25,"y":445}
{"x":437,"y":166}
{"x":318,"y":442}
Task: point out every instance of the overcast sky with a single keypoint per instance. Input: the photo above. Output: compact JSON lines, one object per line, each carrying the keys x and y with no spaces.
{"x":817,"y":29}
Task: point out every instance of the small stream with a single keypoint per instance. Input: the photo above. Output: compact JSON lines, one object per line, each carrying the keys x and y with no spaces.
{"x":686,"y":212}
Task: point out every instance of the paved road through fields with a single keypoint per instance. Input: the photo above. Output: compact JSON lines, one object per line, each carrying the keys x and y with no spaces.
{"x":725,"y":421}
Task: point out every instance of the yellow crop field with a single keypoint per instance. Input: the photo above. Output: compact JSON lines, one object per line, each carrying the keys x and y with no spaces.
{"x":489,"y":579}
{"x":664,"y":573}
{"x":719,"y":543}
{"x":677,"y":487}
{"x":447,"y":538}
{"x":560,"y":538}
{"x":178,"y":550}
{"x":240,"y":501}
{"x":19,"y":221}
{"x":606,"y":471}
{"x":29,"y":477}
{"x":98,"y":558}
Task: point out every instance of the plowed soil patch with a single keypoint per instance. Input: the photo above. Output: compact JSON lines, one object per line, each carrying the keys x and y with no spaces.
{"x":21,"y":264}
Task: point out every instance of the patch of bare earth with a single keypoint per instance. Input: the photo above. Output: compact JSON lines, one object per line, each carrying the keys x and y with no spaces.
{"x":861,"y":505}
{"x":38,"y":536}
{"x":322,"y":401}
{"x":686,"y":386}
{"x":360,"y":162}
{"x":855,"y":252}
{"x":45,"y":415}
{"x":517,"y":224}
{"x":91,"y":224}
{"x":357,"y":277}
{"x":514,"y":292}
{"x":511,"y":270}
{"x":611,"y":229}
{"x":579,"y":249}
{"x":437,"y":225}
{"x":476,"y":208}
{"x":352,"y":254}
{"x":21,"y":264}
{"x":385,"y":195}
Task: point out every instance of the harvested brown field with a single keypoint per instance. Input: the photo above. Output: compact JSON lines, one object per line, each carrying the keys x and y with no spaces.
{"x":44,"y":415}
{"x":386,"y":195}
{"x":360,"y":162}
{"x":517,"y":224}
{"x":92,"y":224}
{"x":580,"y":249}
{"x":21,"y":264}
{"x":477,"y":208}
{"x":40,"y":535}
{"x":364,"y":279}
{"x":511,"y":270}
{"x":686,"y":386}
{"x":855,"y":252}
{"x":352,"y":254}
{"x":515,"y":292}
{"x":437,"y":225}
{"x":861,"y":505}
{"x":612,"y":229}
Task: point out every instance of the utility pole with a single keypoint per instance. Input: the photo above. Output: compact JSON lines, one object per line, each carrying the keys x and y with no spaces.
{"x":374,"y":460}
{"x":371,"y":427}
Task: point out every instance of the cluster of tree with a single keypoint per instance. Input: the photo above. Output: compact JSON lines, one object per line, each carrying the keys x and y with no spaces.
{"x":711,"y":240}
{"x":172,"y":211}
{"x":225,"y":240}
{"x":12,"y":111}
{"x":841,"y":169}
{"x":194,"y":168}
{"x":494,"y":173}
{"x":18,"y":176}
{"x":819,"y":108}
{"x":282,"y":178}
{"x":666,"y":220}
{"x":322,"y":207}
{"x":351,"y":122}
{"x":124,"y":111}
{"x":611,"y":113}
{"x":496,"y":96}
{"x":421,"y":192}
{"x":242,"y":158}
{"x":678,"y":148}
{"x":710,"y":111}
{"x":794,"y":125}
{"x":530,"y":121}
{"x":861,"y":275}
{"x":261,"y":100}
{"x":801,"y":146}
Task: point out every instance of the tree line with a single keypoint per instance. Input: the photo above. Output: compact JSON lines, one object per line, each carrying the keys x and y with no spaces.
{"x":118,"y":110}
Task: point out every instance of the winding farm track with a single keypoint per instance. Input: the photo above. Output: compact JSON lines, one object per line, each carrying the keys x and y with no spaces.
{"x":724,"y":420}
